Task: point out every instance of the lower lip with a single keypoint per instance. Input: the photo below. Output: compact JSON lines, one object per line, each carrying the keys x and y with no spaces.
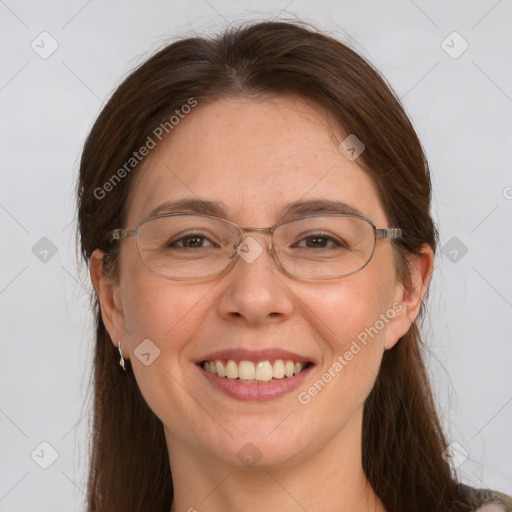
{"x":256,"y":392}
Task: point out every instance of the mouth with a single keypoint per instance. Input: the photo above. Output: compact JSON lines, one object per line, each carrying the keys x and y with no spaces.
{"x":255,"y":375}
{"x":255,"y":372}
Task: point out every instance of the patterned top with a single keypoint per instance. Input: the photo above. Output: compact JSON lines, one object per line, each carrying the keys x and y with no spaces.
{"x":486,"y":500}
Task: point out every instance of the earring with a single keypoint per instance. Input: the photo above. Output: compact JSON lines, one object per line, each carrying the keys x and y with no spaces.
{"x":121,"y":361}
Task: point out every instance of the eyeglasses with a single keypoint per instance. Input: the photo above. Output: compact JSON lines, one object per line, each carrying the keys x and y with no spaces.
{"x":184,"y":246}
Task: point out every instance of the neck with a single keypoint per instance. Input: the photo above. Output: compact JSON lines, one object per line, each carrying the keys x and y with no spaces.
{"x":326,"y":480}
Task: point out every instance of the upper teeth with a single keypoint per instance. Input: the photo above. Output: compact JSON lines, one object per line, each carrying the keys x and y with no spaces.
{"x":262,"y":371}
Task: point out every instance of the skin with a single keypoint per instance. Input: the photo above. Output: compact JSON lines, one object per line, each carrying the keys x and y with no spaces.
{"x":256,"y":156}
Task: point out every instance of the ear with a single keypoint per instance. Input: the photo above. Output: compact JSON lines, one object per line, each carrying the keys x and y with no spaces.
{"x":109,"y":296}
{"x":407,"y":301}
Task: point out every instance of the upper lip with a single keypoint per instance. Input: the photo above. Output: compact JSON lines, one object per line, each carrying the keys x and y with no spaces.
{"x":242,"y":354}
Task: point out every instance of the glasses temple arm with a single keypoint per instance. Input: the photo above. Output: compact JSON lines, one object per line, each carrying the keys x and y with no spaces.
{"x":117,"y":234}
{"x":389,"y":233}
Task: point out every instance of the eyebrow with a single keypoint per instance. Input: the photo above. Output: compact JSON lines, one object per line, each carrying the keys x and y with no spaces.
{"x":218,"y":209}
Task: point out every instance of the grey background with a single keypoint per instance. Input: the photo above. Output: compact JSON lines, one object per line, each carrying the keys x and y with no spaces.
{"x":461,"y":108}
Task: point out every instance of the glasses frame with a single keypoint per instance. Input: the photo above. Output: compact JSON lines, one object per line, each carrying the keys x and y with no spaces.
{"x":121,"y":233}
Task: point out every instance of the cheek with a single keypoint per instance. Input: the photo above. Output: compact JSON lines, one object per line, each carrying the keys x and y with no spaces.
{"x":161,"y":318}
{"x":164,"y":311}
{"x":351,"y":319}
{"x":355,"y":310}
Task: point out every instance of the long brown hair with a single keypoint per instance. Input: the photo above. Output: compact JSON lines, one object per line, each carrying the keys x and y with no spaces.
{"x":402,"y":437}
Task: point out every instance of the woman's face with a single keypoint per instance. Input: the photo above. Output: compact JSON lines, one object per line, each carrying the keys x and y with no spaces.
{"x":255,"y":158}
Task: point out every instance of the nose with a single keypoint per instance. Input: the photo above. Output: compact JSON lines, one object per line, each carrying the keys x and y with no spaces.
{"x":255,"y":288}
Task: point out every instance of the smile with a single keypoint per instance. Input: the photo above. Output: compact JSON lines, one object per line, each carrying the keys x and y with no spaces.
{"x":255,"y":372}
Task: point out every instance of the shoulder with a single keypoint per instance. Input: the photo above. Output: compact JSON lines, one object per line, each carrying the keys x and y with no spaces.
{"x":486,"y":500}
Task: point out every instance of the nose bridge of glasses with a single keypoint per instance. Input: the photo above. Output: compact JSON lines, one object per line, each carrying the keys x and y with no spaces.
{"x":244,"y":235}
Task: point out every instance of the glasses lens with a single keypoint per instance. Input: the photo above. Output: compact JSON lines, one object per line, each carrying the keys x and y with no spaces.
{"x":324,"y":246}
{"x":186,"y":246}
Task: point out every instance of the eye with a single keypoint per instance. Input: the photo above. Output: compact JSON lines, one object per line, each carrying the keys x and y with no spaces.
{"x":191,"y":241}
{"x":321,"y":241}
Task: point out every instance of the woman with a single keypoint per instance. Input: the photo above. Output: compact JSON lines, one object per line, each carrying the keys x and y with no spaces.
{"x":255,"y":213}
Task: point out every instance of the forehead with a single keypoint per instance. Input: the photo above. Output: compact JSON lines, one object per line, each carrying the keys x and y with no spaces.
{"x":253,"y":158}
